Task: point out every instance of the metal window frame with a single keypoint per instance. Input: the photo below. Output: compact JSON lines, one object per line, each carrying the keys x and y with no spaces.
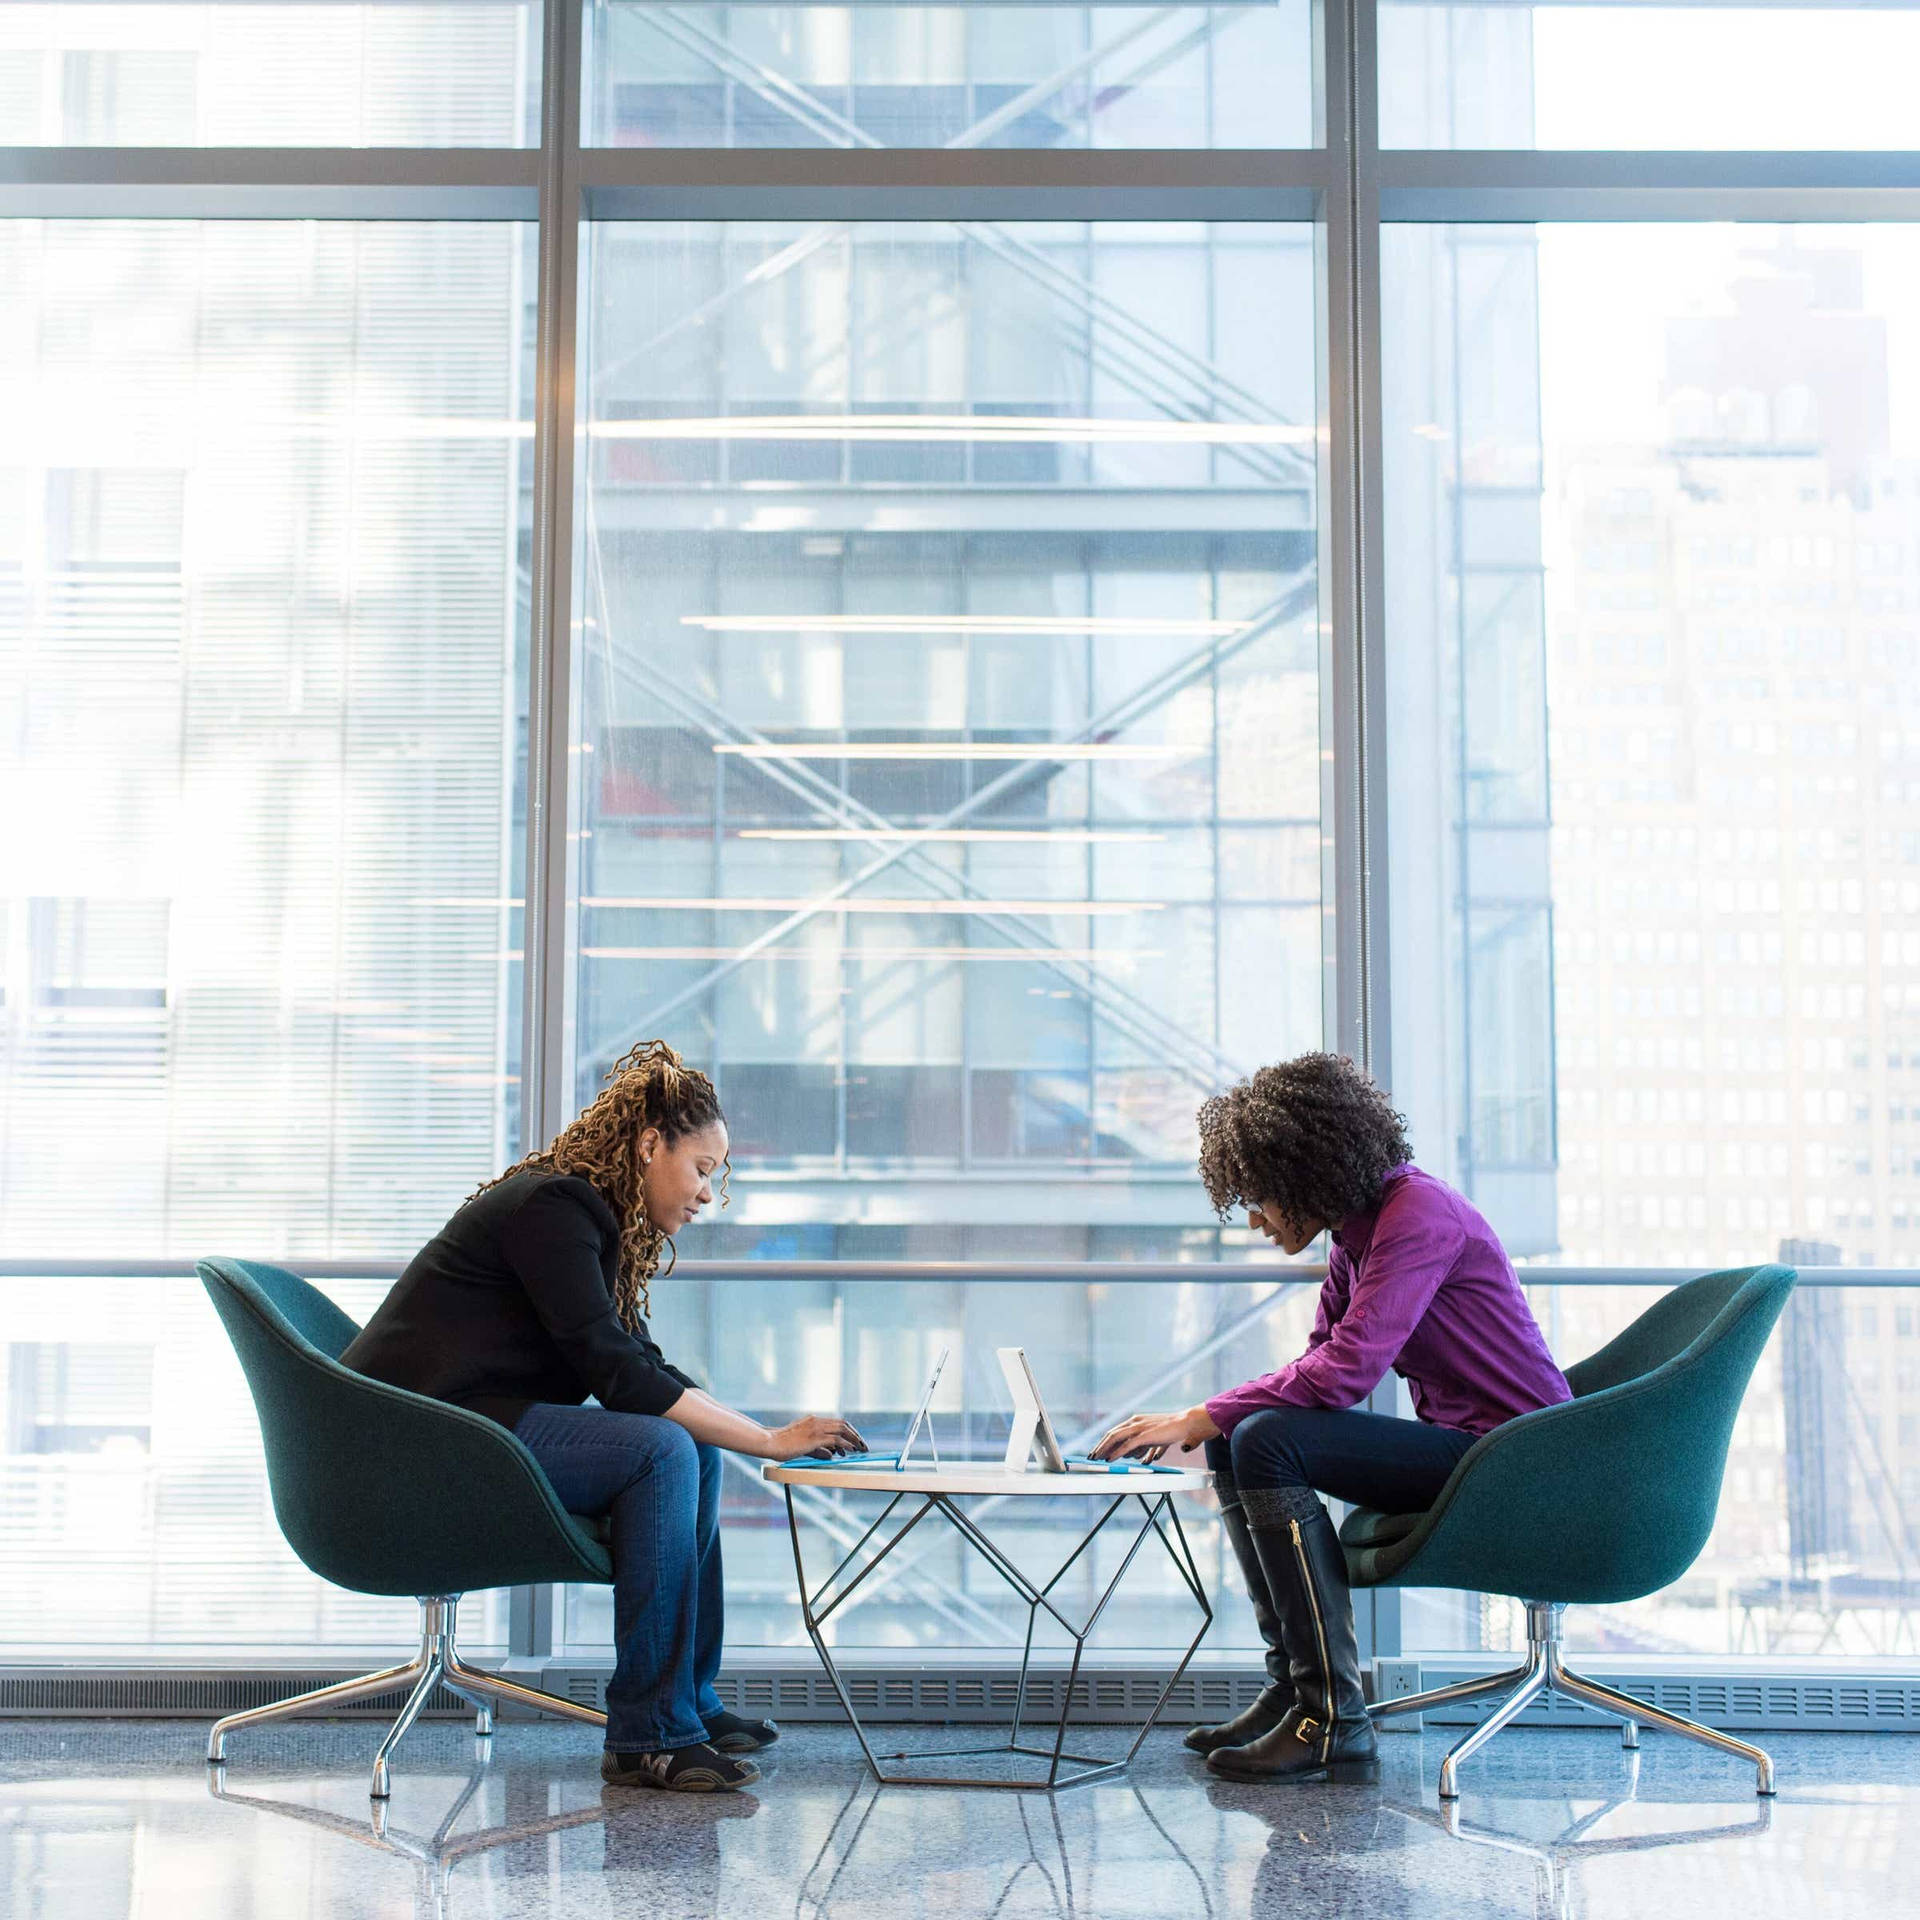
{"x":1346,"y":184}
{"x":1085,"y":1273}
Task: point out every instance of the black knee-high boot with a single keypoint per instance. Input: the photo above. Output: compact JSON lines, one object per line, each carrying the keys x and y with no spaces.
{"x":1326,"y":1735}
{"x":1276,"y":1697}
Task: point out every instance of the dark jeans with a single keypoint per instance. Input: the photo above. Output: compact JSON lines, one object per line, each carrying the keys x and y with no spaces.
{"x":661,"y":1490}
{"x":1365,"y":1459}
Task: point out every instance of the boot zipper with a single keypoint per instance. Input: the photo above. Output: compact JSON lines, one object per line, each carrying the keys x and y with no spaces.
{"x":1320,"y":1636}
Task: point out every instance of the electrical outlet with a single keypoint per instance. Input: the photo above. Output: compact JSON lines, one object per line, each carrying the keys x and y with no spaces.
{"x":1397,"y":1680}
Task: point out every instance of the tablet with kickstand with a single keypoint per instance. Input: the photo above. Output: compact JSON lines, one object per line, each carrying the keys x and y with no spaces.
{"x":1033,"y":1430}
{"x":922,"y":1416}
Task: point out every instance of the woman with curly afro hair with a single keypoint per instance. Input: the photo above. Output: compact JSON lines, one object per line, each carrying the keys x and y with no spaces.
{"x":1418,"y":1283}
{"x":533,"y":1297}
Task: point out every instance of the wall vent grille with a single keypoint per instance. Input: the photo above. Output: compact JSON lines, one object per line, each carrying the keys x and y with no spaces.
{"x":1850,"y":1705}
{"x":124,"y":1695}
{"x":1853,"y":1703}
{"x":801,"y":1693}
{"x":1119,"y":1696}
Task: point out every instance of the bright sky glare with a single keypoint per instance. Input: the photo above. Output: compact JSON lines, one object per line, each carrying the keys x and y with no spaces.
{"x":1606,"y":293}
{"x":1726,"y":77}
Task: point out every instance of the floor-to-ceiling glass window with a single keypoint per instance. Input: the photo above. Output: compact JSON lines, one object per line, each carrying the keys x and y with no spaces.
{"x":1036,"y":75}
{"x":270,"y":73}
{"x":1674,"y":549}
{"x":261,"y":660}
{"x":950,"y":715}
{"x":970,"y":584}
{"x":1602,"y":76}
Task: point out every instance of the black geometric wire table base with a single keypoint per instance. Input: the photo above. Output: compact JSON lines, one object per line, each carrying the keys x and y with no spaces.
{"x":816,"y":1608}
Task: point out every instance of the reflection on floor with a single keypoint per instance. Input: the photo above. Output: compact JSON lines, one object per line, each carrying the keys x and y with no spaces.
{"x":106,"y":1820}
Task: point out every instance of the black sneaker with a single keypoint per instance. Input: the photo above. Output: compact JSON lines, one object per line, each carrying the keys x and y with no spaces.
{"x":695,"y":1769}
{"x":734,"y":1733}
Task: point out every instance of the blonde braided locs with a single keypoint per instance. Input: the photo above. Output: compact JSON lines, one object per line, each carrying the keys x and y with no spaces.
{"x":648,"y":1086}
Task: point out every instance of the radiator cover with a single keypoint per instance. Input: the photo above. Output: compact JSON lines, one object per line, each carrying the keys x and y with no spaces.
{"x":1117,"y":1694}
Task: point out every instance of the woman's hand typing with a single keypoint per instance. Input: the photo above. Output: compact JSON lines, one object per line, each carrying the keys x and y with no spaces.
{"x":719,"y":1426}
{"x":821,"y":1435}
{"x":1146,"y":1436}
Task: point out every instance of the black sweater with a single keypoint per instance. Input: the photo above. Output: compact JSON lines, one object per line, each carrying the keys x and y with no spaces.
{"x":512,"y":1302}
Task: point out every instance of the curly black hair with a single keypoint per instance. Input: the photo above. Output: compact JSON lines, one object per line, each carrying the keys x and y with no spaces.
{"x":1313,"y":1137}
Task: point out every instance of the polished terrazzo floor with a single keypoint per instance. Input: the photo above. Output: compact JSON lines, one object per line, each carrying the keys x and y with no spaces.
{"x":108,"y":1819}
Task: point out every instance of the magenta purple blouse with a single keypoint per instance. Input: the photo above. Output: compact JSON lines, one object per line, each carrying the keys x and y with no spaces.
{"x":1422,"y":1285}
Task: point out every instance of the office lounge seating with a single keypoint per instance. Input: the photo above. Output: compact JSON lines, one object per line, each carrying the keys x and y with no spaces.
{"x":384,"y":1491}
{"x":1604,"y":1499}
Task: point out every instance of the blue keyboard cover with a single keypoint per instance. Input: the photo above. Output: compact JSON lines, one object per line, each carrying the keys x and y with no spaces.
{"x":1078,"y":1461}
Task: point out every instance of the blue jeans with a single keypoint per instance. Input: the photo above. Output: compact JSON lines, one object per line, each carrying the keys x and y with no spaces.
{"x":661,"y":1490}
{"x":1366,"y":1459}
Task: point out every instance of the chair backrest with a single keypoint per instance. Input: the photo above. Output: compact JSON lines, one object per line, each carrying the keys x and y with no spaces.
{"x":377,"y":1489}
{"x":1665,"y":1331}
{"x":314,"y":1318}
{"x":1611,"y":1495}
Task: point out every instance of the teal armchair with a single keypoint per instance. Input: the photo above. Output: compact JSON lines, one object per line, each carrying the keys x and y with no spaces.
{"x":1605,"y":1498}
{"x":384,"y":1491}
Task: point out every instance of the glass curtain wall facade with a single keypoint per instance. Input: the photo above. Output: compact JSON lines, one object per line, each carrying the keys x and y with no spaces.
{"x":1036,"y":76}
{"x":1170,"y":568}
{"x":1716,"y":433}
{"x":961,"y":814}
{"x":261,"y":646}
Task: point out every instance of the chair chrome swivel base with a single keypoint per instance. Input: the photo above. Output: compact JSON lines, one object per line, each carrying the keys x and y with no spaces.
{"x":1536,"y":1682}
{"x":438,"y":1663}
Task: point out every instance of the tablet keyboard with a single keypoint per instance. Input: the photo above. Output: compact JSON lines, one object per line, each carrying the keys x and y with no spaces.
{"x":1076,"y":1463}
{"x":846,"y":1460}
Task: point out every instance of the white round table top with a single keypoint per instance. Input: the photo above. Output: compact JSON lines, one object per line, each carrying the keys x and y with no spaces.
{"x":985,"y":1476}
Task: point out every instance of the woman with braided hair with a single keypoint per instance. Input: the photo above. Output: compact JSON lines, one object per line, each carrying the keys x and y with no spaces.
{"x":533,"y":1299}
{"x":1416,"y":1282}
